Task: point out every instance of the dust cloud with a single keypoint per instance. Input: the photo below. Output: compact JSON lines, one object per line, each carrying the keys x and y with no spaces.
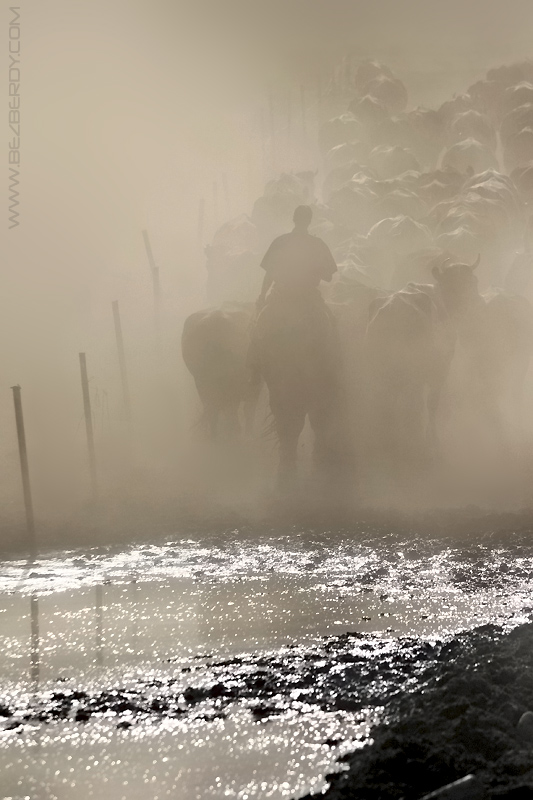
{"x":172,"y":117}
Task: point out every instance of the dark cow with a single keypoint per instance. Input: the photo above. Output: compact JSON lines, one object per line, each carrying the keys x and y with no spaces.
{"x":370,"y":113}
{"x":469,"y":155}
{"x":389,"y":91}
{"x":495,"y":331}
{"x":497,"y":339}
{"x":215,"y":345}
{"x":472,"y":124}
{"x":428,"y":134}
{"x":515,"y":121}
{"x":518,"y":149}
{"x":408,"y":354}
{"x":339,"y":130}
{"x":410,"y":342}
{"x":368,"y":71}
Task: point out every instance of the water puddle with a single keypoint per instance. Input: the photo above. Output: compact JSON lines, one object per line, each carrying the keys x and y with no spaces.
{"x":219,"y":669}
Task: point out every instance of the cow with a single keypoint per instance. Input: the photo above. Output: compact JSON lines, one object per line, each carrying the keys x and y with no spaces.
{"x":214,"y":344}
{"x":494,"y":331}
{"x":408,"y":354}
{"x":410,"y":342}
{"x":389,"y":91}
{"x":472,"y":124}
{"x":469,"y":155}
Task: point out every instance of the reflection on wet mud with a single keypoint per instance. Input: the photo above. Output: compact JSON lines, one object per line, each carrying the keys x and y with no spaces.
{"x":35,"y":663}
{"x":235,"y":669}
{"x":99,"y":615}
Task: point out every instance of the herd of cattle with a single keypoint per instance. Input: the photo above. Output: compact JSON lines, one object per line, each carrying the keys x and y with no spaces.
{"x":428,"y":215}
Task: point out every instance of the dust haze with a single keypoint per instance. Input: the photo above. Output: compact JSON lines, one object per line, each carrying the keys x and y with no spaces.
{"x":176,"y":118}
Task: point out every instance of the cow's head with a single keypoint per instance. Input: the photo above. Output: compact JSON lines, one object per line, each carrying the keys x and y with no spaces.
{"x":457,"y":284}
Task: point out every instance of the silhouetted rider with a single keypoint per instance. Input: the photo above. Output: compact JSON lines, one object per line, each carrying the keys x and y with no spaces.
{"x":296,"y":262}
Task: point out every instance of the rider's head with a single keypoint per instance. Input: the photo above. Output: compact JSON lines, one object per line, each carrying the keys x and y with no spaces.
{"x":302,"y":217}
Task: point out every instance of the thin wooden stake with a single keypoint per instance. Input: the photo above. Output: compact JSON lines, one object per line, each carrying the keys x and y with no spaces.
{"x":35,"y":661}
{"x":122,"y":361}
{"x":289,"y":118}
{"x":272,"y":133}
{"x":24,"y":469}
{"x":249,"y":179}
{"x":347,"y":77}
{"x":134,"y":615}
{"x":303,"y":111}
{"x":99,"y":643}
{"x":155,"y":278}
{"x":263,"y":145}
{"x":225,"y":189}
{"x":201,"y":221}
{"x":88,"y":425}
{"x":215,"y":205}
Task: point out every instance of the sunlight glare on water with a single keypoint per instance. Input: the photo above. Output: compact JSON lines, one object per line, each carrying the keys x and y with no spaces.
{"x":161,"y":615}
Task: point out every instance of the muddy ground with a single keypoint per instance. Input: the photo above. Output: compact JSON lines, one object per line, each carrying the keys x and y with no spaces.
{"x":451,"y":708}
{"x":443,"y":706}
{"x":462,"y":719}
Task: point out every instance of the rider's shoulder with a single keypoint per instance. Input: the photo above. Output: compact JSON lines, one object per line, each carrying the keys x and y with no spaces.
{"x":318,"y":241}
{"x":284,"y":237}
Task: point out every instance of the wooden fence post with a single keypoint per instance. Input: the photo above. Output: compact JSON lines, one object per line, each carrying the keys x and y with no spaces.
{"x":24,"y":469}
{"x":88,"y":425}
{"x":155,"y":279}
{"x":122,"y":361}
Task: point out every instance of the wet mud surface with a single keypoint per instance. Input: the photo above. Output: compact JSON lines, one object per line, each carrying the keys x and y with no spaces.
{"x":462,"y":720}
{"x":241,"y":666}
{"x":350,"y":672}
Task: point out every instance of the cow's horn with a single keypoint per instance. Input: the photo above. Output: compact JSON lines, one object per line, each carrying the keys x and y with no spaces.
{"x":437,"y":267}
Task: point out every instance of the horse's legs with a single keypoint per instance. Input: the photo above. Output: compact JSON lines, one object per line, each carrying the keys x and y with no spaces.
{"x":233,"y":427}
{"x":379,"y":429}
{"x":327,"y":443}
{"x":289,"y":428}
{"x":250,"y":406}
{"x":517,"y":383}
{"x":211,"y":414}
{"x":436,"y":387}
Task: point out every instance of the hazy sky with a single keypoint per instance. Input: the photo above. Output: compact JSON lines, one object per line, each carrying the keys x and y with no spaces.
{"x":122,"y":99}
{"x":298,"y":34}
{"x":131,"y":109}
